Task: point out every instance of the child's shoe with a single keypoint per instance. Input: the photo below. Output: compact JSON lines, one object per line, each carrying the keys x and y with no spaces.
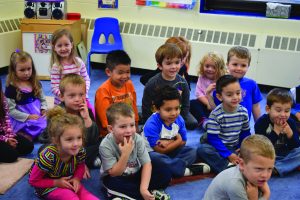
{"x":160,"y":195}
{"x":199,"y":168}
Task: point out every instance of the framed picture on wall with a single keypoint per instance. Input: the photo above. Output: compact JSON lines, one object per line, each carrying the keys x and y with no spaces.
{"x":108,"y":4}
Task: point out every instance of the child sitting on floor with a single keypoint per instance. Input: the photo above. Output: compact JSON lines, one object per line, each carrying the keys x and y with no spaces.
{"x":280,"y":128}
{"x":248,"y":180}
{"x":126,"y":167}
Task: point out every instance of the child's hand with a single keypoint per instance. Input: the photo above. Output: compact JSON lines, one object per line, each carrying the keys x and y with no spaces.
{"x":127,"y":146}
{"x":265,"y":190}
{"x":164,"y":143}
{"x":63,"y":182}
{"x":86,"y":174}
{"x":33,"y":117}
{"x":12,"y":142}
{"x":286,"y":129}
{"x":75,"y":182}
{"x":252,"y":191}
{"x":43,"y":112}
{"x":84,"y":112}
{"x":233,"y":158}
{"x":210,"y":88}
{"x":298,"y":116}
{"x":147,"y":195}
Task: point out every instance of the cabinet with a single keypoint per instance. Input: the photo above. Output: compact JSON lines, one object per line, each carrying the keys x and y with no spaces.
{"x":36,"y":40}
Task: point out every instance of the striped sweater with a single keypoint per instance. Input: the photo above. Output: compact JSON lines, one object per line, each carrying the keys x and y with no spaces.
{"x":227,"y":129}
{"x":56,"y":76}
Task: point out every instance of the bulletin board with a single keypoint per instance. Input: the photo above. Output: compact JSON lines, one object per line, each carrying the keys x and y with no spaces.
{"x":181,"y":4}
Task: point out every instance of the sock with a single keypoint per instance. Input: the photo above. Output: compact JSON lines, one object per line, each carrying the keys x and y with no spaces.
{"x":187,"y":172}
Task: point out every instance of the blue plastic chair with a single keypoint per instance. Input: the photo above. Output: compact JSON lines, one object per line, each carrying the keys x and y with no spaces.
{"x":106,"y":26}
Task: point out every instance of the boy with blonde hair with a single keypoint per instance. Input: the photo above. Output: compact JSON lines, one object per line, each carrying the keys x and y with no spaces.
{"x":117,"y":88}
{"x":248,"y":180}
{"x":169,"y":59}
{"x":238,"y":62}
{"x":126,"y":168}
{"x":280,"y":128}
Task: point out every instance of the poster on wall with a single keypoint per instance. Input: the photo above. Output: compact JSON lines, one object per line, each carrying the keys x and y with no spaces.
{"x":42,"y":43}
{"x":108,"y":4}
{"x":181,"y":4}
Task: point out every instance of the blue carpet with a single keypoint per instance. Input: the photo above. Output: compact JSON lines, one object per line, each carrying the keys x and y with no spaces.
{"x":281,"y":188}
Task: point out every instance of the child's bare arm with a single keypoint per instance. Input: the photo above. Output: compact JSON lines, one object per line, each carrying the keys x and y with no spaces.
{"x":178,"y":142}
{"x":256,"y":111}
{"x":84,"y":113}
{"x":266,"y":191}
{"x":204,"y":100}
{"x":252,"y":191}
{"x":120,"y":166}
{"x":145,"y":180}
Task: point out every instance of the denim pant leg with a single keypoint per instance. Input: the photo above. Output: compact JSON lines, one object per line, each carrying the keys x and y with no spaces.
{"x":161,"y":175}
{"x":288,"y":163}
{"x":187,"y":154}
{"x":128,"y":185}
{"x":175,"y":165}
{"x":212,"y":157}
{"x":190,"y":121}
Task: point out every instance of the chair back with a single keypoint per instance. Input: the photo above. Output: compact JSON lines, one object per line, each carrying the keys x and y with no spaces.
{"x":106,"y":26}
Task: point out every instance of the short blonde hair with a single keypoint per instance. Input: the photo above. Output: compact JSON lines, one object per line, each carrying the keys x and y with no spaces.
{"x":73,"y":79}
{"x":118,"y":109}
{"x":256,"y":145}
{"x":240,"y":52}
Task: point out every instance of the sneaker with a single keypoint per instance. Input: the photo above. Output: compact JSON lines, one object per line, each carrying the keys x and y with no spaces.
{"x":199,"y":168}
{"x":97,"y":162}
{"x":160,"y":195}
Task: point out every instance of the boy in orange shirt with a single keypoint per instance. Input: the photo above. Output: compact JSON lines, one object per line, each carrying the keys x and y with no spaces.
{"x":117,"y":88}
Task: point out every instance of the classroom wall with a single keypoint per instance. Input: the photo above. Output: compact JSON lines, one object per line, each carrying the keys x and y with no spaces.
{"x":130,"y":12}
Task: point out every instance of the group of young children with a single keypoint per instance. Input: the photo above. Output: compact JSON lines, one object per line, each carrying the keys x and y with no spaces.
{"x":139,"y":164}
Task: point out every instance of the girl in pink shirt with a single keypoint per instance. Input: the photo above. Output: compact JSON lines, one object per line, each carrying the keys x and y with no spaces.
{"x":59,"y":167}
{"x":64,"y":61}
{"x":212,"y":66}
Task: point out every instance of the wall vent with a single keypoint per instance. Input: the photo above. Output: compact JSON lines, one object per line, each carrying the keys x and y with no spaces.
{"x":9,"y":25}
{"x":197,"y":35}
{"x":282,"y":43}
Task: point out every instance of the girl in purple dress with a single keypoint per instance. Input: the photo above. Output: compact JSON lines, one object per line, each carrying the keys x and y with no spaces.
{"x":26,"y":101}
{"x":11,"y":145}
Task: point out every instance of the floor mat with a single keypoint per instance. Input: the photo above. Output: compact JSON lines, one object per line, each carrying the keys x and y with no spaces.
{"x":11,"y":173}
{"x":191,"y":178}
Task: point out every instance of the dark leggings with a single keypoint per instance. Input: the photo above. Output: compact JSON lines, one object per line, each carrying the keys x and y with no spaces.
{"x":9,"y":154}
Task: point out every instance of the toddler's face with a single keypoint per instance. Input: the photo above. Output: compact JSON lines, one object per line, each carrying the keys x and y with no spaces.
{"x":169,"y":111}
{"x":209,"y":69}
{"x":231,"y":96}
{"x":73,"y":97}
{"x":258,"y":170}
{"x":122,"y":129}
{"x":238,"y":67}
{"x":119,"y":75}
{"x":170,"y":67}
{"x":24,"y":70}
{"x":279,"y":112}
{"x":70,"y":141}
{"x":63,"y":47}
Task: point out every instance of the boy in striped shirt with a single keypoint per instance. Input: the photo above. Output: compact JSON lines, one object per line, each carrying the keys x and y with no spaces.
{"x":227,"y":126}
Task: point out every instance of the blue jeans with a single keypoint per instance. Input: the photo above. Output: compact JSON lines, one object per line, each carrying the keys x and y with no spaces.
{"x":177,"y":161}
{"x":212,"y":157}
{"x":130,"y":185}
{"x":288,"y":163}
